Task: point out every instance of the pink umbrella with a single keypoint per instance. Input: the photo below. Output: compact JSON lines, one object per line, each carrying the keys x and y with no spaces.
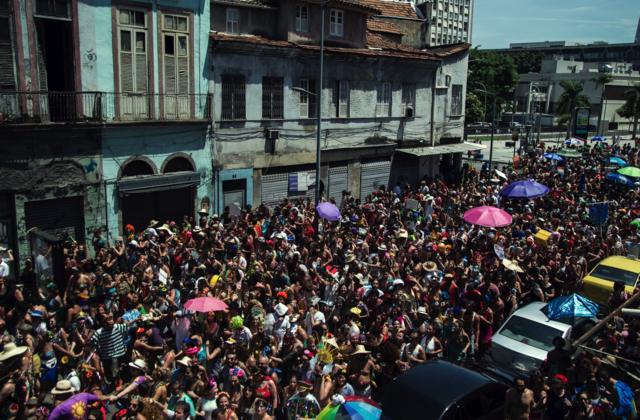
{"x":205,"y":304}
{"x":487,"y":216}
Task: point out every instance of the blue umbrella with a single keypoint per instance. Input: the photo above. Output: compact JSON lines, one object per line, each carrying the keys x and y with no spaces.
{"x":599,"y":138}
{"x":524,"y":189}
{"x":620,"y":179}
{"x":553,"y":156}
{"x":615,"y":160}
{"x":571,"y":306}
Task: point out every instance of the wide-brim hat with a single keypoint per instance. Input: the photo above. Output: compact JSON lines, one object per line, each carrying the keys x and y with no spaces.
{"x":153,"y":223}
{"x":349,"y":258}
{"x":62,"y":387}
{"x":402,"y":233}
{"x":185,"y":361}
{"x":11,"y":350}
{"x":360,"y":349}
{"x":430,"y":266}
{"x":139,"y":364}
{"x":512,"y":265}
{"x":281,"y":309}
{"x":382,"y":247}
{"x":203,"y":211}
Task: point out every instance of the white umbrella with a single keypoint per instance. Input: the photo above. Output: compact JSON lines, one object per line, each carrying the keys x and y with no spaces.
{"x":501,"y":174}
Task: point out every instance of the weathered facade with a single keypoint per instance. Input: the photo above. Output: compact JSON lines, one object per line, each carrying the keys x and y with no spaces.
{"x":378,"y":95}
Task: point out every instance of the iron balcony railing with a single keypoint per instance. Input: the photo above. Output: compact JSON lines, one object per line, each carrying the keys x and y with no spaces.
{"x":51,"y":107}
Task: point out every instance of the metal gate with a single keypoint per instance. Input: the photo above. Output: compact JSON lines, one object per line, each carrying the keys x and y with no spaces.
{"x":274,"y":188}
{"x":61,"y":215}
{"x":373,"y":175}
{"x":338,"y":182}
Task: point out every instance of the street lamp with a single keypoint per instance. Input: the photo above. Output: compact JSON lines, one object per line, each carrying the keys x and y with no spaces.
{"x":493,"y":127}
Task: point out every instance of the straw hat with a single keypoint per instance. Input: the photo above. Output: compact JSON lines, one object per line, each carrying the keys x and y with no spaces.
{"x":360,"y":350}
{"x":11,"y":350}
{"x":430,"y":266}
{"x":512,"y":265}
{"x":62,"y":387}
{"x":185,"y":361}
{"x":281,"y":309}
{"x":402,"y":233}
{"x":139,"y":364}
{"x":349,"y":258}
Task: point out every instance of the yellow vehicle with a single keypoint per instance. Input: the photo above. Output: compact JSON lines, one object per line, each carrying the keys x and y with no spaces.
{"x":598,"y":284}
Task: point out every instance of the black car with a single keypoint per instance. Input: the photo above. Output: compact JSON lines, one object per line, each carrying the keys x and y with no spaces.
{"x":442,"y":390}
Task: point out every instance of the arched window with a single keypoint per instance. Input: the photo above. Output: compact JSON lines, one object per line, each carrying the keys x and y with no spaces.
{"x":137,"y":167}
{"x":178,"y":164}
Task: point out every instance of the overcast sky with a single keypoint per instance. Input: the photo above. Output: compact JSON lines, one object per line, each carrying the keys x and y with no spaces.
{"x":499,"y":22}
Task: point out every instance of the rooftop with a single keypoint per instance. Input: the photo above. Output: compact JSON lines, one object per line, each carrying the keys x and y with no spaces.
{"x":377,"y":25}
{"x":394,"y":8}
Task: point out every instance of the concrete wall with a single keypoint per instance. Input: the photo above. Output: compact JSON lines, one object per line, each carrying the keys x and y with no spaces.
{"x":446,"y":124}
{"x":252,"y":20}
{"x":156,"y":144}
{"x":241,"y":144}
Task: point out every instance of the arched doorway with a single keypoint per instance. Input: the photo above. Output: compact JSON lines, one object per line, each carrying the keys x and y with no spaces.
{"x":176,"y":203}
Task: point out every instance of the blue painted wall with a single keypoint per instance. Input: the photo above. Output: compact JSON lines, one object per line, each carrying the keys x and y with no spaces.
{"x":232,"y":175}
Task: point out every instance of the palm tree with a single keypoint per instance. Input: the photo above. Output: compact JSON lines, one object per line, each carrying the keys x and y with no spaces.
{"x":602,"y":80}
{"x":571,"y":98}
{"x":631,"y":108}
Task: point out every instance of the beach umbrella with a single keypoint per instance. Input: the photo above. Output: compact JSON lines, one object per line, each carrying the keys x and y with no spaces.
{"x":487,"y":216}
{"x":570,"y":307}
{"x":524,"y":189}
{"x":631,"y":171}
{"x":568,"y":153}
{"x":615,"y":160}
{"x":205,"y":304}
{"x":574,"y":141}
{"x":599,"y":138}
{"x":501,"y":174}
{"x":553,"y":156}
{"x":620,"y":179}
{"x":328,"y":211}
{"x":350,"y":408}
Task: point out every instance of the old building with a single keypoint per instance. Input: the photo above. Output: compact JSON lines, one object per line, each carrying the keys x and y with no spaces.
{"x":447,"y":21}
{"x":378,"y":95}
{"x":104,"y":117}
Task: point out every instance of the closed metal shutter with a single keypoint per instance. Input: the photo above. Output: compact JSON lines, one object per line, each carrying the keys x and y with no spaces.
{"x":338,"y":182}
{"x":373,"y":175}
{"x":274,"y":187}
{"x":57,"y":216}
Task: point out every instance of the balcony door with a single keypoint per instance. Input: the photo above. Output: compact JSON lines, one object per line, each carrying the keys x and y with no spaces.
{"x":134,"y":100}
{"x":175,"y":67}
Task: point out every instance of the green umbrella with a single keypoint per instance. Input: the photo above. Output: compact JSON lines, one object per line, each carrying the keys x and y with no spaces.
{"x":631,"y":171}
{"x":568,"y":153}
{"x":636,"y":223}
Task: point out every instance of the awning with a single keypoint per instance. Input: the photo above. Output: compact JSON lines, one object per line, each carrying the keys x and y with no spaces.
{"x":163,"y":182}
{"x":443,"y":149}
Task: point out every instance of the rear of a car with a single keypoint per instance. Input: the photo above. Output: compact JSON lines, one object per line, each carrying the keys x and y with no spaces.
{"x":522,"y":343}
{"x":598,"y":284}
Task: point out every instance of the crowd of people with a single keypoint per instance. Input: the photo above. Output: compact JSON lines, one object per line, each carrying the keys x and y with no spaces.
{"x":316,"y":309}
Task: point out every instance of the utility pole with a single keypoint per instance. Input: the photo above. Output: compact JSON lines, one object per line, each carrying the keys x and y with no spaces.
{"x":319,"y":107}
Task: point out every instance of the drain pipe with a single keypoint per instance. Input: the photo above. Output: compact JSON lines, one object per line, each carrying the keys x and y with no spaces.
{"x":433,"y":104}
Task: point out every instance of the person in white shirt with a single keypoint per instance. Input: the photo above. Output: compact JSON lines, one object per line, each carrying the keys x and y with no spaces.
{"x":314,"y":317}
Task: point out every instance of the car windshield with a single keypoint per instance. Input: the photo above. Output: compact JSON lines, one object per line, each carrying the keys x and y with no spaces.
{"x":530,"y":332}
{"x":606,"y":272}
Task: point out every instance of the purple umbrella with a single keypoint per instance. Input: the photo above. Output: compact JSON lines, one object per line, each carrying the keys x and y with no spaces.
{"x":328,"y":211}
{"x":524,"y":189}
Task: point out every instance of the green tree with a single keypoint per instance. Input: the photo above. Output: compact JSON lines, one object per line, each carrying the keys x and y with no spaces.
{"x":493,"y":72}
{"x":570,"y":98}
{"x":474,"y":110}
{"x":601,"y":81}
{"x":631,"y":108}
{"x":528,"y":61}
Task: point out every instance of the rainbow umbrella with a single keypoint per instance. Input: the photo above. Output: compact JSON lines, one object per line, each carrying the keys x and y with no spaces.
{"x":350,"y":408}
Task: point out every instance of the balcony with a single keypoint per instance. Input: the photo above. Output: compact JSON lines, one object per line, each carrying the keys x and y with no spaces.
{"x":101,"y":107}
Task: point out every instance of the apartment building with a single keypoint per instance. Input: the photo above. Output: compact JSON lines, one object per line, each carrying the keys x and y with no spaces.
{"x":448,"y":21}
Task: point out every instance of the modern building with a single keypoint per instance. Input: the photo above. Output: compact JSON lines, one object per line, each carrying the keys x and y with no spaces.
{"x":541,"y":92}
{"x":448,"y":21}
{"x":378,"y":97}
{"x":637,"y":40}
{"x":104,"y":117}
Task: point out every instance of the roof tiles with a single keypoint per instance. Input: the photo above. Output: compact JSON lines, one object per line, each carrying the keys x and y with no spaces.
{"x":377,"y":25}
{"x":393,"y":8}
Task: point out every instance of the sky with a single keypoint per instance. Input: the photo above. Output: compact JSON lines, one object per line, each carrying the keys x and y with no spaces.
{"x":500,"y":22}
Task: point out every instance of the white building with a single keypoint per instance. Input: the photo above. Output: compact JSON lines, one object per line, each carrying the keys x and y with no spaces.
{"x":448,"y":21}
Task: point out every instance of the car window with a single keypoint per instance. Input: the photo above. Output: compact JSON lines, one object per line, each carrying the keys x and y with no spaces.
{"x":530,"y":332}
{"x":614,"y":274}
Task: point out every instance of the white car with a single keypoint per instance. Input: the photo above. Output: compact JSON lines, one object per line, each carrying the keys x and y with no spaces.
{"x":521,"y":344}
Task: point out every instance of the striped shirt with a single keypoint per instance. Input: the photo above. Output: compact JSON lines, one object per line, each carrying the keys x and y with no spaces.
{"x":110,"y":343}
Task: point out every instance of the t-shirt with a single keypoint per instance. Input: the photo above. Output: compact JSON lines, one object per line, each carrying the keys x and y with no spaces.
{"x":309,"y":320}
{"x":74,"y":408}
{"x":4,"y":269}
{"x":110,"y":343}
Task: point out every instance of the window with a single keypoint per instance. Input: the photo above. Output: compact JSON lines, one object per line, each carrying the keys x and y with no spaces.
{"x":340,"y":98}
{"x":531,"y":333}
{"x":383,"y":101}
{"x":132,"y":51}
{"x":233,"y":21}
{"x":175,"y":58}
{"x":7,"y":71}
{"x":53,"y":8}
{"x":408,"y":99}
{"x":233,"y":97}
{"x":307,"y":102}
{"x":456,"y":100}
{"x":336,"y":22}
{"x":272,"y":108}
{"x":302,"y":19}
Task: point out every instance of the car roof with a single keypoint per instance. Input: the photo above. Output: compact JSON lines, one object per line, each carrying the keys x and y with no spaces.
{"x":429,"y":389}
{"x":624,"y":263}
{"x":533,"y":311}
